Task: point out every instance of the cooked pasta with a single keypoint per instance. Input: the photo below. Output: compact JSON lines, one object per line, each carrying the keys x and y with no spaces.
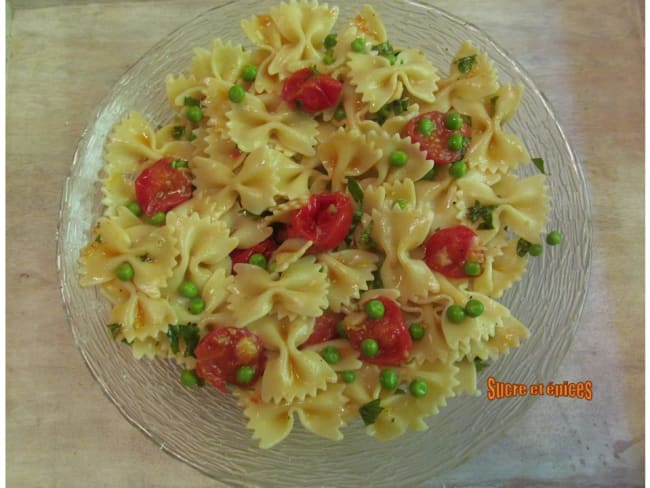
{"x":322,"y":227}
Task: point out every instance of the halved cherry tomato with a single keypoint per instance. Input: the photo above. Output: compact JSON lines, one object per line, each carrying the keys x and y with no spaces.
{"x":266,"y":247}
{"x":436,"y":144}
{"x":311,"y":91}
{"x":223,"y":351}
{"x":325,"y":220}
{"x":161,"y":187}
{"x":447,"y":250}
{"x":324,"y":329}
{"x":390,"y":332}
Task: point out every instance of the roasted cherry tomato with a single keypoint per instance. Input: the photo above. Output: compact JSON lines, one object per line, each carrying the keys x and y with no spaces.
{"x":435,"y":143}
{"x":266,"y":247}
{"x":161,"y":187}
{"x":223,"y":351}
{"x":325,"y":221}
{"x":324,"y":329}
{"x":311,"y":91}
{"x":390,"y":333}
{"x":449,"y":249}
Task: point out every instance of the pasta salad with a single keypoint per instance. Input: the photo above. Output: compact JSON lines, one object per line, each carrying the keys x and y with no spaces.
{"x":323,"y":227}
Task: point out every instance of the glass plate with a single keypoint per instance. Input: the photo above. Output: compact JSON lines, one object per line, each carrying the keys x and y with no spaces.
{"x":206,"y":429}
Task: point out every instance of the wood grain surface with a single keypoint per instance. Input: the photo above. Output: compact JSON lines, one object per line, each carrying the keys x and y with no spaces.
{"x":587,"y":56}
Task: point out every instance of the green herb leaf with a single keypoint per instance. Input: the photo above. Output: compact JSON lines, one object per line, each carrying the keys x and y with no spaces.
{"x":191,"y":102}
{"x":400,"y":106}
{"x":355,"y":190}
{"x":178,"y":131}
{"x":466,"y":64}
{"x":480,"y":364}
{"x":480,"y":212}
{"x":115,"y":329}
{"x":180,"y":163}
{"x":370,"y":411}
{"x":523,"y":246}
{"x":539,"y":164}
{"x":189,"y":333}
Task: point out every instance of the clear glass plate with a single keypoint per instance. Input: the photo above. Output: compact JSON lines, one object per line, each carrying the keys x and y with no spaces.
{"x":205,"y":428}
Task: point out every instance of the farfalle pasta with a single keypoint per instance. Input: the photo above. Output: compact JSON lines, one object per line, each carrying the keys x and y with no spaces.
{"x":323,"y":225}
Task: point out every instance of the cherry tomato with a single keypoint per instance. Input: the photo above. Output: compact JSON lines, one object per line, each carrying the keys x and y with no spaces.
{"x":436,"y":144}
{"x":160,"y":187}
{"x":324,"y":329}
{"x":325,"y":220}
{"x":311,"y":91}
{"x":266,"y":247}
{"x":223,"y":351}
{"x":389,"y":331}
{"x":447,"y":250}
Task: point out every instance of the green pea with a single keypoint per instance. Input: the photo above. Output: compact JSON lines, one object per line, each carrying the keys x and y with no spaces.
{"x":329,"y":57}
{"x":340,"y":330}
{"x":330,"y":41}
{"x":348,"y":376}
{"x":398,"y":159}
{"x":189,"y":377}
{"x":193,"y":113}
{"x":455,"y":314}
{"x":158,"y":218}
{"x":388,"y":379}
{"x":418,"y":388}
{"x":236,"y":93}
{"x":401,"y":203}
{"x":455,"y":142}
{"x":134,"y":208}
{"x":472,"y":268}
{"x":369,"y":347}
{"x":416,"y":331}
{"x":426,"y":126}
{"x":124,"y":271}
{"x":331,"y":355}
{"x":188,"y":289}
{"x":358,"y":45}
{"x":249,"y":72}
{"x":553,"y":238}
{"x":474,"y":308}
{"x":339,"y":113}
{"x":257,"y":259}
{"x":453,"y":121}
{"x":535,"y":250}
{"x":244,"y":374}
{"x":458,"y":169}
{"x":196,"y":305}
{"x":375,"y":309}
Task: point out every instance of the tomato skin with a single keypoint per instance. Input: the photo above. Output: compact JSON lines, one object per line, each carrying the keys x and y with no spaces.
{"x":325,"y":221}
{"x":310,"y":91}
{"x":436,"y":144}
{"x":390,"y":332}
{"x":223,"y":351}
{"x":324,"y":329}
{"x":160,"y":187}
{"x":266,"y":247}
{"x":447,"y":250}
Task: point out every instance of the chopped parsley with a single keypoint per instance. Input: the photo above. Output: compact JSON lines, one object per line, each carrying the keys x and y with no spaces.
{"x":115,"y":329}
{"x":355,"y":190}
{"x":523,"y":246}
{"x":539,"y":164}
{"x":370,"y":411}
{"x":483,"y":213}
{"x":466,"y":63}
{"x":190,"y":335}
{"x":480,"y":364}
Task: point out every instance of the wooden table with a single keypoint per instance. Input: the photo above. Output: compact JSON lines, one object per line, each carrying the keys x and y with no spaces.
{"x":586,"y":55}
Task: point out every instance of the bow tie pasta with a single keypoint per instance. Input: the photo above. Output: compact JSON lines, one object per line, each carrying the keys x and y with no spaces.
{"x":323,"y":226}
